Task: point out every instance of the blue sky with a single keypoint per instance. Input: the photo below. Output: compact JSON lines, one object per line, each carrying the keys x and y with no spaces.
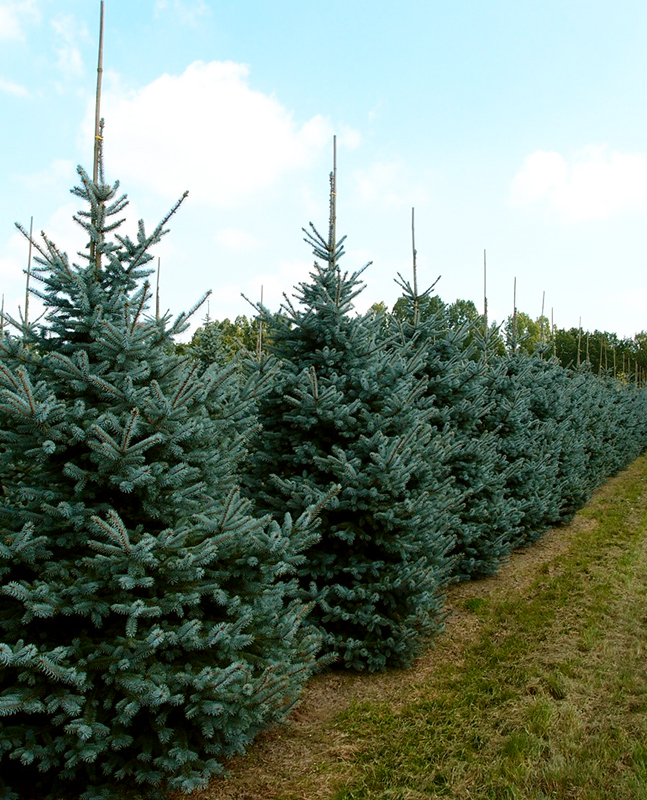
{"x":516,"y":127}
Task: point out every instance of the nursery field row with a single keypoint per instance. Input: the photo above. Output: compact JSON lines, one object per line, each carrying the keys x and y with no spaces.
{"x":188,"y":539}
{"x":536,"y":689}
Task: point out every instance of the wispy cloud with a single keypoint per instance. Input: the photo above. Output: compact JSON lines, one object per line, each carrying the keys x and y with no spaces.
{"x":389,"y":184}
{"x":67,"y":34}
{"x":15,"y":89}
{"x":187,"y":12}
{"x":59,"y":173}
{"x":237,"y":240}
{"x":13,"y":16}
{"x":209,"y":131}
{"x":595,"y":184}
{"x":226,"y":302}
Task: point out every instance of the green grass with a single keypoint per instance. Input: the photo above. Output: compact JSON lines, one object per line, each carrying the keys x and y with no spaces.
{"x":549,"y":701}
{"x":537,"y":690}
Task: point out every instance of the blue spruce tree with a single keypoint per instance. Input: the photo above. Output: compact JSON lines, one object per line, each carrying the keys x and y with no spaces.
{"x":528,"y":466}
{"x":346,"y":410}
{"x":455,"y":380}
{"x":148,"y":628}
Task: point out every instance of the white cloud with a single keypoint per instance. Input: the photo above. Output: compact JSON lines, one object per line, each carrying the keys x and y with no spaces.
{"x":14,"y":258}
{"x":60,"y":172}
{"x":13,"y":14}
{"x":388,"y":184}
{"x":350,"y":138}
{"x":596,"y":185}
{"x":237,"y":240}
{"x":207,"y":131}
{"x":187,"y":11}
{"x":67,"y":235}
{"x":542,"y":173}
{"x":12,"y":88}
{"x":68,"y":32}
{"x":226,"y":299}
{"x":633,"y":299}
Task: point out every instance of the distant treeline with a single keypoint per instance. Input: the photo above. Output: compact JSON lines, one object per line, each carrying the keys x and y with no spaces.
{"x":604,"y":352}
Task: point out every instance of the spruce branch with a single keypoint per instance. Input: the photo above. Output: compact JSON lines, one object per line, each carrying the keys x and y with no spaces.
{"x":313,"y":380}
{"x":46,"y":257}
{"x":157,"y":234}
{"x":115,"y":529}
{"x":181,"y":321}
{"x":182,"y":388}
{"x":144,"y":292}
{"x":129,"y":430}
{"x":27,"y":390}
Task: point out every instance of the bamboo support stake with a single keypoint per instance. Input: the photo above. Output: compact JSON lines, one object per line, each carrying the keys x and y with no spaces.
{"x":157,"y":290}
{"x":485,"y":319}
{"x":94,"y":259}
{"x":579,"y":343}
{"x":416,"y":307}
{"x":31,"y":233}
{"x":541,"y":329}
{"x":259,"y":342}
{"x":97,"y":106}
{"x":2,"y":318}
{"x":332,"y":234}
{"x":485,"y":289}
{"x":514,"y":315}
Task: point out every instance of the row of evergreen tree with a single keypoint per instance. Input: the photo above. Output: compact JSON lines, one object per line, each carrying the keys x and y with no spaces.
{"x":605,"y":353}
{"x":186,"y":538}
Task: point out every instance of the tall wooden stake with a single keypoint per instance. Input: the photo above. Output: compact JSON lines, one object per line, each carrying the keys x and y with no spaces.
{"x":157,"y":291}
{"x":514,"y":314}
{"x":94,"y":259}
{"x":332,"y":234}
{"x":416,"y":307}
{"x":97,"y":105}
{"x":31,"y":233}
{"x":541,"y":329}
{"x":485,"y":319}
{"x":579,"y":343}
{"x":259,"y":341}
{"x":2,"y":318}
{"x":552,"y":332}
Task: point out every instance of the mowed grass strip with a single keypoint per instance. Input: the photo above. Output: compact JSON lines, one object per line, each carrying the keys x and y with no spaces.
{"x":550,"y":701}
{"x":538,"y":688}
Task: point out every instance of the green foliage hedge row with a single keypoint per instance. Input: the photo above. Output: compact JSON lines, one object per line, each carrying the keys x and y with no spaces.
{"x":449,"y":453}
{"x":185,"y":538}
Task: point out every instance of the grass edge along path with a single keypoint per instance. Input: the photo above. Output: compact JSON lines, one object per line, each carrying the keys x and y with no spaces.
{"x":538,"y":689}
